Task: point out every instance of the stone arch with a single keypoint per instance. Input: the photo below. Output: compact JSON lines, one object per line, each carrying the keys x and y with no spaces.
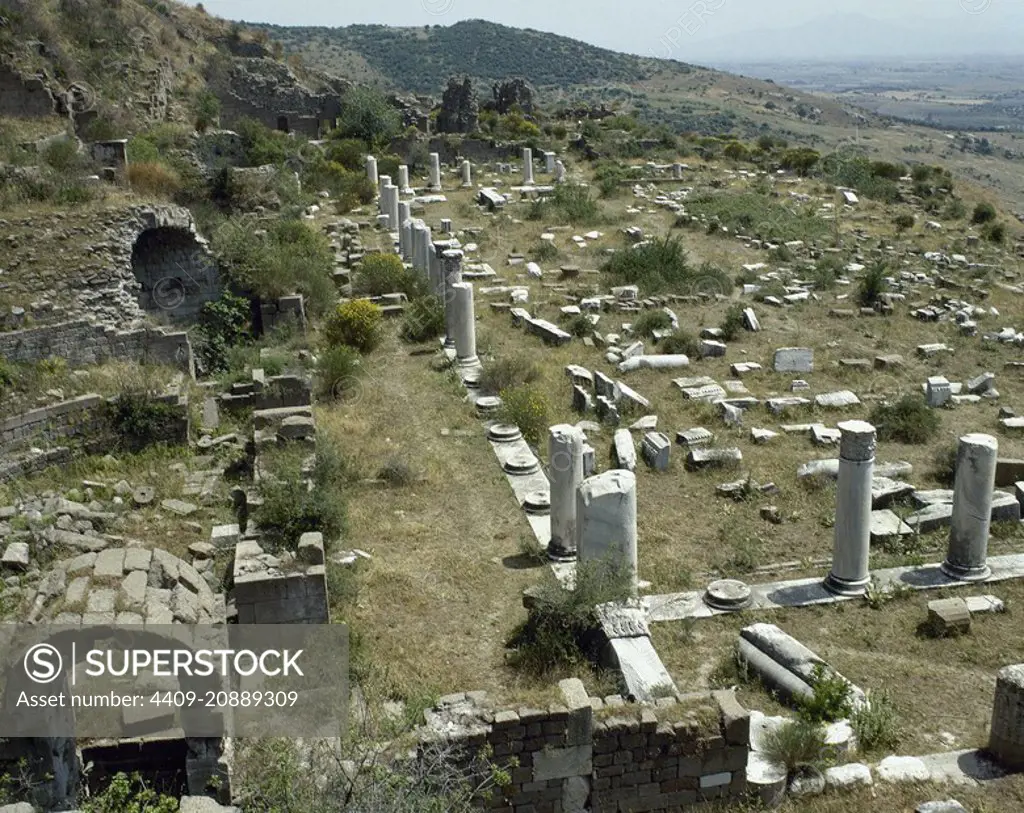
{"x":175,"y":271}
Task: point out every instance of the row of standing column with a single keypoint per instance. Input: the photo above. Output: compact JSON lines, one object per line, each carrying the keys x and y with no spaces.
{"x":967,"y":554}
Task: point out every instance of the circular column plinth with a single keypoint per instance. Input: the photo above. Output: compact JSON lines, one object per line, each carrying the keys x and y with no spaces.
{"x":537,"y":502}
{"x":728,"y":595}
{"x":488,"y":405}
{"x":845,"y":587}
{"x":522,"y":463}
{"x":504,"y":433}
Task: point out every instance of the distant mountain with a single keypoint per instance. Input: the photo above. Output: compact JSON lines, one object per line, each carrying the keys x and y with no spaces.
{"x":851,"y":36}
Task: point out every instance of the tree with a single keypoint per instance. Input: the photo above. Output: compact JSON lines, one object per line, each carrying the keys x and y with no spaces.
{"x":366,"y":115}
{"x":800,"y":160}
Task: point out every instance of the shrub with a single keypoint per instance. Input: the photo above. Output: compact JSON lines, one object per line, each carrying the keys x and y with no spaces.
{"x":569,"y":203}
{"x":994,"y":233}
{"x":138,"y":419}
{"x":154,"y":178}
{"x":337,"y":372}
{"x":649,"y":321}
{"x":355,"y":324}
{"x":527,"y":407}
{"x":380,"y":274}
{"x":654,"y":266}
{"x":62,"y":155}
{"x":423,"y":320}
{"x":909,"y":420}
{"x":223,"y":324}
{"x":732,"y":324}
{"x":367,"y":116}
{"x":562,"y":629}
{"x":876,"y":723}
{"x":207,"y":110}
{"x":397,"y":472}
{"x":983,"y":213}
{"x":349,"y":152}
{"x":825,"y":274}
{"x":578,"y":325}
{"x":795,"y":744}
{"x":507,"y":372}
{"x":544,"y":252}
{"x":679,"y":342}
{"x":903,"y":222}
{"x":872,"y":285}
{"x":955,"y":209}
{"x":127,"y":794}
{"x":831,"y":698}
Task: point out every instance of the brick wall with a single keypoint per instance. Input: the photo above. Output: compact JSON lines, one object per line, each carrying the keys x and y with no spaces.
{"x":589,"y":754}
{"x":81,"y":343}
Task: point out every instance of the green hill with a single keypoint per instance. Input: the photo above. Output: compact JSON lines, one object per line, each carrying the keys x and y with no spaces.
{"x":420,"y":60}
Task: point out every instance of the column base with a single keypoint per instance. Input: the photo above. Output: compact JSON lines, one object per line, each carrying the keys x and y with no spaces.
{"x":469,"y":361}
{"x":978,"y":573}
{"x":556,"y":554}
{"x":449,"y":344}
{"x":434,"y":189}
{"x":845,"y":587}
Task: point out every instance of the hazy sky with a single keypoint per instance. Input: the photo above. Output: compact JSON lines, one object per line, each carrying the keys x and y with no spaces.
{"x":639,"y":26}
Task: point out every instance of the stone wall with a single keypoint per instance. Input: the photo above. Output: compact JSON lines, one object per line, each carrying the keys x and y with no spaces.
{"x":24,"y":96}
{"x":264,"y":593}
{"x":81,"y":343}
{"x":605,"y":755}
{"x":85,"y":264}
{"x":78,"y":426}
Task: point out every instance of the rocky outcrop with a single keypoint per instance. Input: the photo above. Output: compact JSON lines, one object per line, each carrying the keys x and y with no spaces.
{"x":459,"y":108}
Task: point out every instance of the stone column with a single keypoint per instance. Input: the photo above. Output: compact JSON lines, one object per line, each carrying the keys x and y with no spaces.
{"x":403,"y":179}
{"x":606,"y":520}
{"x":435,"y":269}
{"x":1006,"y":734}
{"x":852,"y":539}
{"x":467,"y":174}
{"x":559,"y":172}
{"x":677,"y":171}
{"x":967,"y":556}
{"x":527,"y":166}
{"x":465,"y":324}
{"x":405,"y":247}
{"x":393,"y":207}
{"x":382,"y":204}
{"x":549,"y":162}
{"x":435,"y":173}
{"x":452,"y":276}
{"x":565,"y":472}
{"x":371,"y":170}
{"x":446,"y":225}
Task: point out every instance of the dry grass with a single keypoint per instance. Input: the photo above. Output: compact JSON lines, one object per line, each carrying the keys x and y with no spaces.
{"x":443,"y":591}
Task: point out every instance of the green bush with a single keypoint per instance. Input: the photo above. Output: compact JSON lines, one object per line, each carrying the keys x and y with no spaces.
{"x":423,"y":320}
{"x":994,"y":233}
{"x":527,"y":407}
{"x":138,"y":419}
{"x":831,"y":699}
{"x":207,"y":110}
{"x":649,"y":321}
{"x":758,"y":215}
{"x":127,"y":794}
{"x":562,"y":630}
{"x":349,"y":152}
{"x":825,"y":273}
{"x":367,"y":116}
{"x":290,"y":508}
{"x":578,"y":325}
{"x":355,"y":324}
{"x":506,"y":372}
{"x":337,"y":372}
{"x":903,"y":222}
{"x":795,"y":744}
{"x":909,"y":420}
{"x":62,"y":154}
{"x":223,"y":324}
{"x":261,"y":145}
{"x":544,"y":252}
{"x":679,"y":342}
{"x":380,"y":274}
{"x":569,"y":203}
{"x":872,"y":285}
{"x":876,"y":723}
{"x":983,"y":213}
{"x":660,"y":265}
{"x":732,"y":324}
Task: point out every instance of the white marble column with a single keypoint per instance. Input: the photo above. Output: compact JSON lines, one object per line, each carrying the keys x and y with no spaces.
{"x":967,"y":556}
{"x":565,"y":473}
{"x":371,"y":170}
{"x":452,"y":276}
{"x":559,"y":172}
{"x":677,"y":171}
{"x":527,"y":166}
{"x":421,"y":247}
{"x":393,"y":207}
{"x":465,"y":324}
{"x":606,"y":520}
{"x":435,"y":269}
{"x":405,"y":246}
{"x":382,"y":203}
{"x":435,"y":173}
{"x":549,"y":162}
{"x":467,"y":174}
{"x":403,"y":180}
{"x":852,"y":538}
